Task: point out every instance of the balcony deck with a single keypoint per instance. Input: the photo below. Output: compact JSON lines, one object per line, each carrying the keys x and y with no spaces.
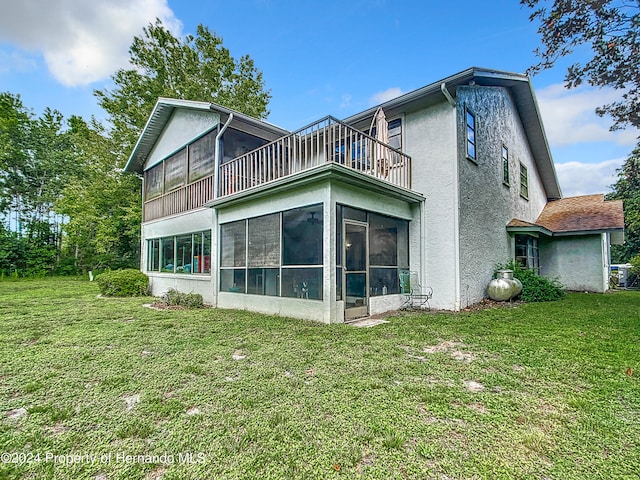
{"x":326,"y":141}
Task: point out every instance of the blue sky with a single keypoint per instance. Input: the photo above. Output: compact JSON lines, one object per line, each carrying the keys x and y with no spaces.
{"x":318,"y":58}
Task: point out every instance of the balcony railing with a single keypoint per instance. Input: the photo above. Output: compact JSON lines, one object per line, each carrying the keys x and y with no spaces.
{"x":326,"y":141}
{"x":185,"y":198}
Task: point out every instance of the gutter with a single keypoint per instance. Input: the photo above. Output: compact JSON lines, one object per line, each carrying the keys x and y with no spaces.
{"x":456,"y":200}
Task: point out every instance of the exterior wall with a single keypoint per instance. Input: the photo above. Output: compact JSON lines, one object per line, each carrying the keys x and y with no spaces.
{"x":430,"y":140}
{"x":577,"y":262}
{"x":194,"y":221}
{"x":183,"y":126}
{"x":486,"y":204}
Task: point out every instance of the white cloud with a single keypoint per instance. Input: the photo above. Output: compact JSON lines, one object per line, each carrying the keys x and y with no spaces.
{"x":569,"y":116}
{"x":81,"y":41}
{"x":385,"y":96}
{"x":577,"y":178}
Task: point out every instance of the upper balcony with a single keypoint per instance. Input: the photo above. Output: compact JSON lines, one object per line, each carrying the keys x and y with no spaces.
{"x":179,"y":185}
{"x":326,"y":141}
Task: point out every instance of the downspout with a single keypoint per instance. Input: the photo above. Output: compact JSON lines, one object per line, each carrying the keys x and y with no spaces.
{"x":456,"y":199}
{"x":216,"y":185}
{"x":216,"y":191}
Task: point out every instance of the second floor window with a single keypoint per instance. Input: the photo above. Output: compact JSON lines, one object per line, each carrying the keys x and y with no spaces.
{"x":524,"y":182}
{"x":471,"y":134}
{"x":505,"y":165}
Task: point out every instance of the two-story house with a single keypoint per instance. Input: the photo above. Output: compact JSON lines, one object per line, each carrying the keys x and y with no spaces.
{"x":448,"y":181}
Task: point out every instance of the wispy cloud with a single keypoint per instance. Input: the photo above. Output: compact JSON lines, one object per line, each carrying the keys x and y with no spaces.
{"x":577,"y":178}
{"x":385,"y":95}
{"x":569,"y":116}
{"x":81,"y":42}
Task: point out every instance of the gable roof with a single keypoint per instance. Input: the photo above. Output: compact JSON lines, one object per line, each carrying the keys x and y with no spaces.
{"x":524,"y":98}
{"x":162,"y":112}
{"x":574,"y":216}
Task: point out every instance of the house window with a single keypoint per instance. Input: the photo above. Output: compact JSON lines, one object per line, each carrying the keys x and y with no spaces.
{"x":278,"y":254}
{"x":527,"y":253}
{"x":471,"y":134}
{"x":395,"y":133}
{"x":190,"y":253}
{"x":524,"y":182}
{"x":505,"y":165}
{"x":167,"y":254}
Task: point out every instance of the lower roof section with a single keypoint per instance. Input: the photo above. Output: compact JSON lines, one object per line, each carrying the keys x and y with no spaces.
{"x":580,"y":215}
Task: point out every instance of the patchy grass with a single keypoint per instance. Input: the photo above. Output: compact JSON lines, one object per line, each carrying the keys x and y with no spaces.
{"x":536,"y":391}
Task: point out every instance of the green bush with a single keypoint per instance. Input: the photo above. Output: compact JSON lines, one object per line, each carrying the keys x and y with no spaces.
{"x":123,"y":283}
{"x":635,"y":265}
{"x":189,"y":300}
{"x":535,"y":288}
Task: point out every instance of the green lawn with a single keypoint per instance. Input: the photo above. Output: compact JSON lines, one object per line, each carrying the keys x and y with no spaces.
{"x":535,"y":391}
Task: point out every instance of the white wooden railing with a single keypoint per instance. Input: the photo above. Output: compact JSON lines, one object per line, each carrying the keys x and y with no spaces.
{"x":328,"y":140}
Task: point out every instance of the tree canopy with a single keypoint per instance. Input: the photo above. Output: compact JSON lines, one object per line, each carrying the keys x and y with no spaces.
{"x":194,"y":68}
{"x":611,"y":29}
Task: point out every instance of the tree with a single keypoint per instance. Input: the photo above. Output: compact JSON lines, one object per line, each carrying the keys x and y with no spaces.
{"x":195,"y":68}
{"x":101,"y":203}
{"x":627,"y":189}
{"x":36,"y":161}
{"x":611,"y":28}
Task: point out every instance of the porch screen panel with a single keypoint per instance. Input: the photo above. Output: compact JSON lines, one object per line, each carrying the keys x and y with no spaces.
{"x":302,"y":236}
{"x":201,"y":157}
{"x":264,"y":241}
{"x":388,"y":252}
{"x":153,"y":182}
{"x":233,"y":244}
{"x":175,"y":170}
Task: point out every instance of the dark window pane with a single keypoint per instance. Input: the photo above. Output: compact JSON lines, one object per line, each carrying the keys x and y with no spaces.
{"x":236,"y":143}
{"x":167,"y":261}
{"x":356,"y":289}
{"x":153,"y":259}
{"x":153,"y":182}
{"x":302,"y":236}
{"x":175,"y":170}
{"x":206,"y":252}
{"x":201,"y":153}
{"x":383,"y":281}
{"x":339,"y":245}
{"x":338,"y":283}
{"x":232,"y":280}
{"x":356,"y":247}
{"x":263,"y":281}
{"x":302,"y":283}
{"x":233,"y":244}
{"x":184,"y":254}
{"x":264,"y":241}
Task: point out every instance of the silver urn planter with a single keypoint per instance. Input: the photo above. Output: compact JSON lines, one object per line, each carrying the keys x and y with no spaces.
{"x":504,"y":286}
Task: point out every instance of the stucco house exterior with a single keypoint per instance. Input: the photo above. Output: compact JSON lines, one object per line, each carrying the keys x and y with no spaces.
{"x":448,"y":181}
